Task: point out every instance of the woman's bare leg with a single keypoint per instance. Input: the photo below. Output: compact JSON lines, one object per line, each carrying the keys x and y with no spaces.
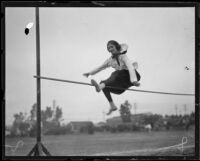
{"x":107,"y":94}
{"x":113,"y":107}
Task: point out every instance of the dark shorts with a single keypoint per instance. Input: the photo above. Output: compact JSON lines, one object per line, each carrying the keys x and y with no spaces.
{"x":119,"y":79}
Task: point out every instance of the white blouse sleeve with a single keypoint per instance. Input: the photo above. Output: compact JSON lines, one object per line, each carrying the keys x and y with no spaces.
{"x":130,"y":67}
{"x":101,"y":67}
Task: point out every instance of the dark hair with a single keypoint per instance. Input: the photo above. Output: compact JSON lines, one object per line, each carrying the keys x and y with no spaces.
{"x":115,"y":43}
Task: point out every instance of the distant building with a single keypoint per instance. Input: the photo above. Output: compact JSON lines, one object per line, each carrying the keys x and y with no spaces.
{"x":136,"y":119}
{"x":100,"y":124}
{"x":80,"y":126}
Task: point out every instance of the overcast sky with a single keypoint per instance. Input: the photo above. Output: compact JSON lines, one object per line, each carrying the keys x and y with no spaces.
{"x":73,"y":41}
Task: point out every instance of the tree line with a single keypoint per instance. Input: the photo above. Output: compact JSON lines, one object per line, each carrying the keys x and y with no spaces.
{"x":51,"y":117}
{"x":25,"y":125}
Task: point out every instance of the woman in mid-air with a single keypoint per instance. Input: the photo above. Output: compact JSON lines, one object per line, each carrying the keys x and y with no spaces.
{"x":124,"y":76}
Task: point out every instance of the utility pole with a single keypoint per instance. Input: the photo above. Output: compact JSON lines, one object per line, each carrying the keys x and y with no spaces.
{"x":54,"y":104}
{"x":185,"y":108}
{"x":135,"y":108}
{"x":176,"y":109}
{"x":104,"y":116}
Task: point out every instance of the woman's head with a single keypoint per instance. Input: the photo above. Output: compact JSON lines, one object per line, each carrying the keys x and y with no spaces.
{"x":113,"y":46}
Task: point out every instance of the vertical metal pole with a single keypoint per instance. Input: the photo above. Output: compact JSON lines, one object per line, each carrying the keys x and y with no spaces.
{"x":38,"y":149}
{"x":38,"y":74}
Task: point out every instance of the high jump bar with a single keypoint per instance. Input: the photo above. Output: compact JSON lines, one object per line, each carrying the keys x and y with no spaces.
{"x":83,"y":83}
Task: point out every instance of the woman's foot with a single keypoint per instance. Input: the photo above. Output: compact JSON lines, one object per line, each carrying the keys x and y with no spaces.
{"x":94,"y":83}
{"x":113,"y":107}
{"x":111,"y":110}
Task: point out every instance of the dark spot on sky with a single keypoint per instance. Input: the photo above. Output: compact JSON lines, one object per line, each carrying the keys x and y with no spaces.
{"x":26,"y":31}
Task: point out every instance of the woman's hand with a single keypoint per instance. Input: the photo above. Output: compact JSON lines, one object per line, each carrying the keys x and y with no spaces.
{"x":136,"y":83}
{"x":86,"y":74}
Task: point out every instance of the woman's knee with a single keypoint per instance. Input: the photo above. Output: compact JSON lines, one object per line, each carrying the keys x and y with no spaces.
{"x":103,"y":82}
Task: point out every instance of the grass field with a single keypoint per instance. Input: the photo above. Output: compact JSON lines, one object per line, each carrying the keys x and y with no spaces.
{"x":108,"y":144}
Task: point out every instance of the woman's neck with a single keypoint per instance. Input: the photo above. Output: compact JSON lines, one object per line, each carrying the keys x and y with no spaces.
{"x":117,"y":53}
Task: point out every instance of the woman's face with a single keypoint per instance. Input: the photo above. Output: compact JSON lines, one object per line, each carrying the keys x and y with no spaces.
{"x":112,"y":49}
